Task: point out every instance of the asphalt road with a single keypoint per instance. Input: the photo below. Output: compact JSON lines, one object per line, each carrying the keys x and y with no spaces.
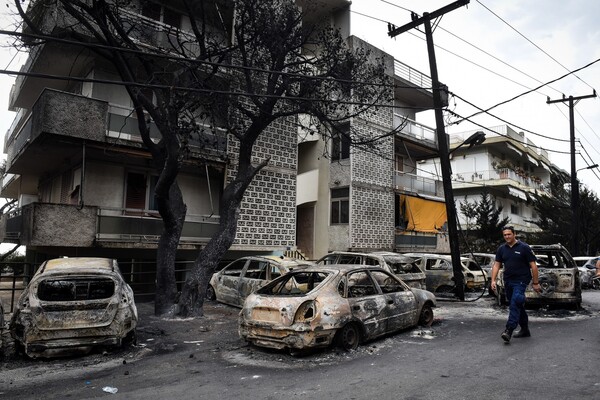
{"x":460,"y":357}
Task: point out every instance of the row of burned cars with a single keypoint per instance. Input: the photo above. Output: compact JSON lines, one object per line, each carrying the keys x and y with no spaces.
{"x":343,"y":298}
{"x":72,"y":305}
{"x":346,"y":297}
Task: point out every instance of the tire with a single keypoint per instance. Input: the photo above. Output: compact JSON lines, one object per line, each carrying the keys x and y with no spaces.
{"x":426,"y":316}
{"x":210,"y":293}
{"x":595,"y":283}
{"x":348,"y":337}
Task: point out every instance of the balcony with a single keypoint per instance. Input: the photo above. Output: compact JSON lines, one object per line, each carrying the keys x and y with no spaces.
{"x":67,"y":115}
{"x":417,"y":184}
{"x":416,"y":131}
{"x":498,"y":177}
{"x":64,"y":225}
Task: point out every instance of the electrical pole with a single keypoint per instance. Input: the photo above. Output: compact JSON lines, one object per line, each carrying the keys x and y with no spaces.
{"x":441,"y":136}
{"x":574,"y":183}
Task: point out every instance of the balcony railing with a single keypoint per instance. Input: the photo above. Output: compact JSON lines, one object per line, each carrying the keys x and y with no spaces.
{"x":117,"y":224}
{"x":67,"y":225}
{"x":498,"y":176}
{"x":415,"y":184}
{"x":412,"y":75}
{"x":415,"y":129}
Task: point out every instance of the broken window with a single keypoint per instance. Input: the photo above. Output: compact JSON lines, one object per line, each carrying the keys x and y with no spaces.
{"x":294,"y":284}
{"x":256,"y":270}
{"x":75,"y":289}
{"x":360,"y":285}
{"x":235,"y":268}
{"x":387,"y":283}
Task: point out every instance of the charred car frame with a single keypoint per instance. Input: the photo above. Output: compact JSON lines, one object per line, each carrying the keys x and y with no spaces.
{"x":72,"y":305}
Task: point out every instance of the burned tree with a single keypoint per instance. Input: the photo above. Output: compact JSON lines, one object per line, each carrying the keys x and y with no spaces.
{"x":238,"y":68}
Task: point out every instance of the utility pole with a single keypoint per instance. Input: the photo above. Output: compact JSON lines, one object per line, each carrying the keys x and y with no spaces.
{"x":441,"y":135}
{"x":574,"y":183}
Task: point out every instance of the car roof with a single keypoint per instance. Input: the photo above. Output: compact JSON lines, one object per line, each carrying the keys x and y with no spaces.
{"x":65,"y":264}
{"x":339,"y":268}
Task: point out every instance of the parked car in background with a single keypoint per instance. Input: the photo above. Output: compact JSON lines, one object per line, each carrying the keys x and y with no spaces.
{"x":72,"y":305}
{"x":558,"y":277}
{"x":404,"y":267}
{"x":440,"y":274}
{"x":320,"y":305}
{"x":587,"y":270}
{"x":486,"y":262}
{"x":232,"y":284}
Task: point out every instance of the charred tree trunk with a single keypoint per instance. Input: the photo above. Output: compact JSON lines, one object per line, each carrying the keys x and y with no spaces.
{"x":173,"y":219}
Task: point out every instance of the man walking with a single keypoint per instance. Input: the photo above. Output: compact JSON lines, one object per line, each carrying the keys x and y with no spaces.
{"x":519,"y":268}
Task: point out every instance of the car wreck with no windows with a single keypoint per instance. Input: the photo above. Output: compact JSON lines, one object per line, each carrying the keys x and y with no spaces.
{"x":558,"y":276}
{"x":342,"y":304}
{"x":72,"y":305}
{"x":237,"y":280}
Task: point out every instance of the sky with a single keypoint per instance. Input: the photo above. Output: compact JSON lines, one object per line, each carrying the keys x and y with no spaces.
{"x":491,"y":51}
{"x":487,"y":52}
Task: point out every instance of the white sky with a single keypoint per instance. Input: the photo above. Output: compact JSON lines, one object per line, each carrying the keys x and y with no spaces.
{"x":567,"y":30}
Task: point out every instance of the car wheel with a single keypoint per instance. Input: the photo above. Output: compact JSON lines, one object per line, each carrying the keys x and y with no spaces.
{"x":426,"y":317}
{"x":210,"y":293}
{"x":596,"y":283}
{"x":130,"y":339}
{"x":348,"y":337}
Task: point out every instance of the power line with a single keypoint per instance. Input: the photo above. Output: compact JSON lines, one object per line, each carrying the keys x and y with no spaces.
{"x":532,"y":90}
{"x":201,"y":62}
{"x":507,"y":122}
{"x":526,"y":38}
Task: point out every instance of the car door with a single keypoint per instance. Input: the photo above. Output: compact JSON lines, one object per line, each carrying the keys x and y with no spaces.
{"x":400,"y":301}
{"x":366,"y":303}
{"x":228,"y":281}
{"x":254,"y":276}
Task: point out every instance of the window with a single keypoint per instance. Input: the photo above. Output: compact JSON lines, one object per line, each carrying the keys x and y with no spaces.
{"x":139,"y":194}
{"x":235,"y":269}
{"x":340,"y":144}
{"x":340,"y":206}
{"x":165,"y":15}
{"x":399,"y":163}
{"x":360,"y":285}
{"x":386,"y":282}
{"x":514,"y":209}
{"x":256,"y":270}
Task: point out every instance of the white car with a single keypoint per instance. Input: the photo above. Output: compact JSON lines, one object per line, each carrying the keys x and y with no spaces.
{"x":440,"y":273}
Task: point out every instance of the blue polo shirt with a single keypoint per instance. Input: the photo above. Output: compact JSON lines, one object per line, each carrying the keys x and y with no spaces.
{"x":516,"y":261}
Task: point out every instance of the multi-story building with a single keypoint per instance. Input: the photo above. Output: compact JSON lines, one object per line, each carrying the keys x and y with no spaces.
{"x":84,"y":181}
{"x":507,"y":165}
{"x":359,"y":200}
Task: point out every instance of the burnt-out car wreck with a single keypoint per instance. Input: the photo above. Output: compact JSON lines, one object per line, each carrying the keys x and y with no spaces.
{"x":72,"y":305}
{"x":322,"y":305}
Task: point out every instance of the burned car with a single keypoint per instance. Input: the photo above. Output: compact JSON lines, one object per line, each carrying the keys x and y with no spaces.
{"x":558,"y":277}
{"x":342,"y":304}
{"x":404,"y":267}
{"x":237,"y":280}
{"x":440,"y":274}
{"x":72,"y":305}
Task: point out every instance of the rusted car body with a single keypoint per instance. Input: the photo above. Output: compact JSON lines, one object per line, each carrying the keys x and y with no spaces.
{"x":440,"y":274}
{"x":236,"y":281}
{"x":348,"y":304}
{"x":404,"y":267}
{"x":558,"y":277}
{"x":72,"y":305}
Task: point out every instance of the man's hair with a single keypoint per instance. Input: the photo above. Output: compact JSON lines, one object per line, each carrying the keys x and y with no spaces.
{"x":508,"y":228}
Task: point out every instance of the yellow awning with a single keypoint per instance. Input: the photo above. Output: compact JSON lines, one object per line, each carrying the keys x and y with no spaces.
{"x":423,"y":215}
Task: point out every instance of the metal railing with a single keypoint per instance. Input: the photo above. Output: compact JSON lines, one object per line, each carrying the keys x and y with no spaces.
{"x":412,"y":75}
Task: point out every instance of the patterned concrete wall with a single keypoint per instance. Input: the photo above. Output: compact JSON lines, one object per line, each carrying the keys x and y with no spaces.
{"x":268,"y":210}
{"x":372,"y":203}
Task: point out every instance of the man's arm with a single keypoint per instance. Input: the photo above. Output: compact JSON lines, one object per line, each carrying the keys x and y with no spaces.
{"x":495,"y":269}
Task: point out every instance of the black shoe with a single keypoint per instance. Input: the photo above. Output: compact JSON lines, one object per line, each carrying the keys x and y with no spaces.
{"x":506,"y":335}
{"x":523,"y":332}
